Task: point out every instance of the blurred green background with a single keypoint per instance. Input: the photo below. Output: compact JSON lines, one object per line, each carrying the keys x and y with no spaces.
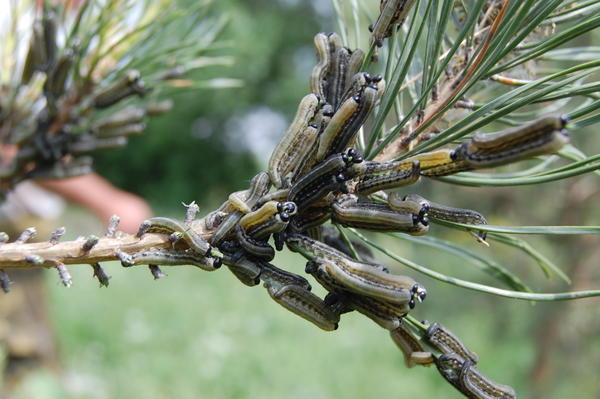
{"x":213,"y":132}
{"x":201,"y":335}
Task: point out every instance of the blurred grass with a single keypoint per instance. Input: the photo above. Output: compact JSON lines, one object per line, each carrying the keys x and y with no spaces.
{"x":196,"y":334}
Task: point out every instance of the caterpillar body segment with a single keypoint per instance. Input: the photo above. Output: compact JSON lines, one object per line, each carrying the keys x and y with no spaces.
{"x":275,"y":276}
{"x":308,"y":151}
{"x":441,"y":163}
{"x":255,"y":247}
{"x":237,"y":200}
{"x":275,"y":224}
{"x":346,"y":122}
{"x":288,"y":150}
{"x":337,"y":76}
{"x":226,"y":227}
{"x":469,"y":381}
{"x":324,"y":178}
{"x":306,"y":305}
{"x":348,"y":211}
{"x":244,"y":269}
{"x":242,"y":202}
{"x":372,"y":183}
{"x":413,"y":350}
{"x":318,"y":77}
{"x":386,"y":315}
{"x":392,"y":13}
{"x":355,"y":61}
{"x":411,"y":203}
{"x":342,"y":272}
{"x":311,"y":217}
{"x":267,"y":210}
{"x":518,"y":135}
{"x":538,"y":145}
{"x":459,"y":215}
{"x":191,"y":237}
{"x":446,"y":342}
{"x":174,"y":258}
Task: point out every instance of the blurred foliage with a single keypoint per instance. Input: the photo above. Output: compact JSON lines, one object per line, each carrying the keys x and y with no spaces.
{"x":180,"y":160}
{"x":71,"y":83}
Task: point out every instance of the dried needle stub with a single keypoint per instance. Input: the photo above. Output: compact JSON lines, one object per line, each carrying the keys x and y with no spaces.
{"x":126,"y":259}
{"x":64,"y":275}
{"x":3,"y":237}
{"x":113,"y":224}
{"x":190,"y":214}
{"x":26,"y":235}
{"x":101,"y":275}
{"x":34,"y":259}
{"x":56,"y":235}
{"x":90,"y":242}
{"x":156,"y":272}
{"x":5,"y":282}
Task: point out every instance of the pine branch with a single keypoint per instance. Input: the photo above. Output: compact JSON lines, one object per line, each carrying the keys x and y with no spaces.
{"x":47,"y":254}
